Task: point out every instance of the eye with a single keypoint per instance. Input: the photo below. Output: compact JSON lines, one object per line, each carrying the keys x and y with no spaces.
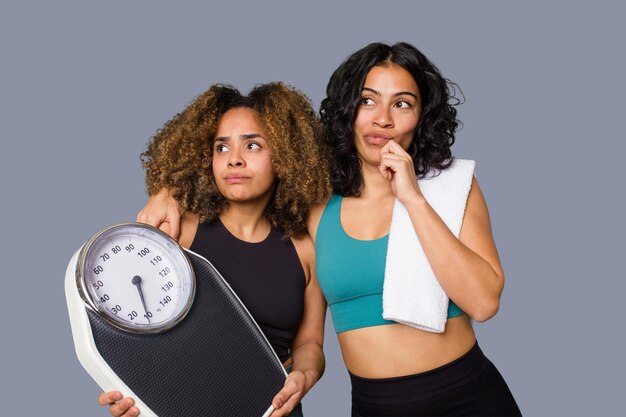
{"x":402,"y":104}
{"x":220,"y":147}
{"x":254,"y":146}
{"x":367,"y":101}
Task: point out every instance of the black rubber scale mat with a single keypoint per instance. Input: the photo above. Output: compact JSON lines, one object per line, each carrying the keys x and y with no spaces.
{"x":216,"y":362}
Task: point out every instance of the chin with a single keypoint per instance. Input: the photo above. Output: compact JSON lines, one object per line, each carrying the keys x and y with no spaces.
{"x":370,"y":156}
{"x":238,"y":198}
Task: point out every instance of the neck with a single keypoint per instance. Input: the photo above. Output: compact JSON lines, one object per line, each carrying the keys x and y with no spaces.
{"x":375,"y":186}
{"x":247,"y":222}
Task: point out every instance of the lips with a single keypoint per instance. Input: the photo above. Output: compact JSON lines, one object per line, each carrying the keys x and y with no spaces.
{"x":235,"y":179}
{"x":377,"y":139}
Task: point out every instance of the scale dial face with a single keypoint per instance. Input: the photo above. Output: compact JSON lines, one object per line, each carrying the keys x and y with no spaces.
{"x":136,"y":277}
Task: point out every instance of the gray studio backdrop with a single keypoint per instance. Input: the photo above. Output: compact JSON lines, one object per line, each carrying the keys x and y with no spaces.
{"x":83,"y":86}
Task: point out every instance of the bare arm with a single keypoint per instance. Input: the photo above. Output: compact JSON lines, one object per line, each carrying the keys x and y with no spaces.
{"x":467,"y":268}
{"x":307,"y":354}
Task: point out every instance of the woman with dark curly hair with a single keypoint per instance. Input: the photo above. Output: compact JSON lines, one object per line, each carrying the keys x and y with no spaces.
{"x":246,"y":170}
{"x":390,"y":119}
{"x":404,"y":250}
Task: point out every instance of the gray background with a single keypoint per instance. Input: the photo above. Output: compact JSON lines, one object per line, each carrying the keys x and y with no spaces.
{"x":84,"y":85}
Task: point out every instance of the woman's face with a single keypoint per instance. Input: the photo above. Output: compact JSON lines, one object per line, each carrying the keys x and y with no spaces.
{"x":389,"y":109}
{"x":242,"y":164}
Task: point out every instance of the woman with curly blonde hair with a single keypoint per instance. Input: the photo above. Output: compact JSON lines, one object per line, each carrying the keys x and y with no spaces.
{"x":246,"y":170}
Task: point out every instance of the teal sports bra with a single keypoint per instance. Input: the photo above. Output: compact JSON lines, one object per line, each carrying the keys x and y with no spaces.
{"x":351,"y":273}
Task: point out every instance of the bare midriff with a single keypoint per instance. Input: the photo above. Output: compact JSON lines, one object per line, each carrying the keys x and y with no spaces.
{"x":394,"y":350}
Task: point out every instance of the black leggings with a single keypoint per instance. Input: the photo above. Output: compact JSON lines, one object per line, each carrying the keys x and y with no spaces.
{"x":468,"y":386}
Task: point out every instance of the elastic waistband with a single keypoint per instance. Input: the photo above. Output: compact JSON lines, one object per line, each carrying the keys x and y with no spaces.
{"x":422,"y":385}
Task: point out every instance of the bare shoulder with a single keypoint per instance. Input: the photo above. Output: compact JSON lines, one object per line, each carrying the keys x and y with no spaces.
{"x":306,"y":252}
{"x":313,"y":221}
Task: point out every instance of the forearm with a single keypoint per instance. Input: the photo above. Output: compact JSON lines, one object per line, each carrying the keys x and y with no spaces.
{"x":466,"y":277}
{"x":308,"y":358}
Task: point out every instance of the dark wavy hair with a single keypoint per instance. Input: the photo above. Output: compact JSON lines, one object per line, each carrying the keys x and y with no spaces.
{"x":434,"y":136}
{"x":180,"y":154}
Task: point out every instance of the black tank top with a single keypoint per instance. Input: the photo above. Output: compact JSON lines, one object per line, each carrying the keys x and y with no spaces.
{"x":267,"y":276}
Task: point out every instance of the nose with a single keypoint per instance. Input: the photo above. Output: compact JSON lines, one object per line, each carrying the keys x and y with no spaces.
{"x":235,"y":159}
{"x":383,"y":117}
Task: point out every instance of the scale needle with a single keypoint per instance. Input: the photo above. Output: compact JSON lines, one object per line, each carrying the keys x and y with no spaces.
{"x":137,"y":281}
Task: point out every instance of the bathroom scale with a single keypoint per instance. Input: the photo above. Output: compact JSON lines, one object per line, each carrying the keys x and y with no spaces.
{"x":160,"y":324}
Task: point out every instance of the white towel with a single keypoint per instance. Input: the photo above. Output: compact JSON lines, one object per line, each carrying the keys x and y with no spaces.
{"x":411,"y":293}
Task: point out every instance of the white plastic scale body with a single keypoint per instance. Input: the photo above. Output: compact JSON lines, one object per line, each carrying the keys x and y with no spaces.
{"x":159,"y":323}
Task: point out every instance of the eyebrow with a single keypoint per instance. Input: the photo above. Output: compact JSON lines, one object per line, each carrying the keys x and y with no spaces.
{"x":244,"y":137}
{"x":400,"y":93}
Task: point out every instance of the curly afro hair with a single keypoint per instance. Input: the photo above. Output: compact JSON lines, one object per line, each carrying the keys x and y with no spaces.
{"x":179,"y":155}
